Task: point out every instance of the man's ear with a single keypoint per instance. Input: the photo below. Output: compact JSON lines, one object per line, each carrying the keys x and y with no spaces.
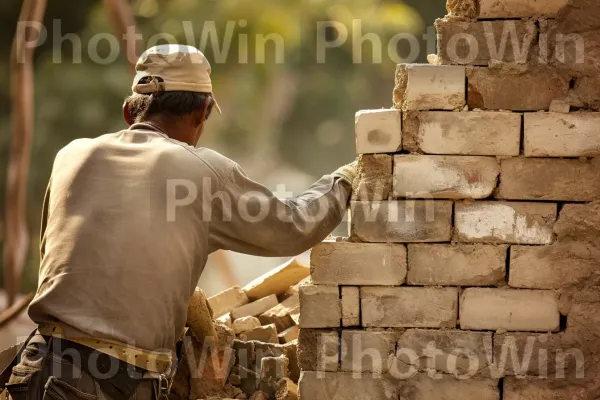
{"x":127,"y":114}
{"x":201,"y":115}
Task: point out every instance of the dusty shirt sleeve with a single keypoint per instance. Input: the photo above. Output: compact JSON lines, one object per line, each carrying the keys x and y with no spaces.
{"x":249,"y":218}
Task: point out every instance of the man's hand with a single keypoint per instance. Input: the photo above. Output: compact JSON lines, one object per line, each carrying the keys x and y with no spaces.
{"x":348,"y":172}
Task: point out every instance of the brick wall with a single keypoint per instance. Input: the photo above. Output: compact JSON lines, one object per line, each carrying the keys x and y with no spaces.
{"x":472,"y":268}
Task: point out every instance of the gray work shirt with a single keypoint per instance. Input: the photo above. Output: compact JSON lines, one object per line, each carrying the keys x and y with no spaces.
{"x":130,"y":218}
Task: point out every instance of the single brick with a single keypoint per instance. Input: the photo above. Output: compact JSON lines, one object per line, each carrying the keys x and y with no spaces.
{"x":320,"y":306}
{"x":264,"y":334}
{"x":350,"y":306}
{"x":367,"y":351}
{"x":409,"y":307}
{"x":560,"y":106}
{"x":282,"y":315}
{"x":346,"y":386}
{"x":288,"y":335}
{"x":483,"y":133}
{"x":429,"y":87}
{"x":519,"y":8}
{"x":504,"y":222}
{"x":228,"y":300}
{"x":479,"y":42}
{"x":456,"y":265}
{"x":446,"y":177}
{"x":278,"y":281}
{"x":318,"y":350}
{"x":509,"y":309}
{"x":543,"y":355}
{"x":533,"y":388}
{"x":551,"y":267}
{"x":550,"y":179}
{"x":351,"y":263}
{"x":562,"y":135}
{"x":374,"y":179}
{"x":501,"y":89}
{"x":448,"y":351}
{"x":401,"y":221}
{"x":498,"y":9}
{"x":378,"y":131}
{"x":245,"y":324}
{"x":255,"y":308}
{"x":424,"y":387}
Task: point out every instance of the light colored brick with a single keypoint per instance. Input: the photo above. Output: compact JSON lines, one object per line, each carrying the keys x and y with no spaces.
{"x":255,"y":308}
{"x":429,"y":87}
{"x":350,"y":306}
{"x":318,"y":350}
{"x":535,"y":389}
{"x":282,"y":315}
{"x":278,"y":281}
{"x":351,"y":263}
{"x":447,"y":351}
{"x":504,"y":222}
{"x":378,"y":131}
{"x":264,"y":334}
{"x":562,"y":135}
{"x":228,"y":300}
{"x":288,"y":335}
{"x":560,"y":106}
{"x":456,"y":265}
{"x":401,"y":221}
{"x":346,"y":386}
{"x":500,"y":89}
{"x":549,"y":179}
{"x":483,"y":133}
{"x":519,"y":8}
{"x":374,"y":179}
{"x":245,"y":324}
{"x":540,"y":355}
{"x":446,"y":177}
{"x":408,"y":307}
{"x":509,"y":309}
{"x":320,"y":306}
{"x":367,"y":351}
{"x":424,"y":387}
{"x":465,"y":42}
{"x":550,"y":267}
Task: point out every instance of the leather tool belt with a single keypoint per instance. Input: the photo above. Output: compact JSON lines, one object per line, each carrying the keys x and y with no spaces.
{"x":154,"y":361}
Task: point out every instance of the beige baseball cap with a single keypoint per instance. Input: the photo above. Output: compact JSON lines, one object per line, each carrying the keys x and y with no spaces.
{"x":173,"y":67}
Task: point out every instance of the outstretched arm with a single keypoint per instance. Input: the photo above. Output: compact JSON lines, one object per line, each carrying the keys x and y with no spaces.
{"x":257,"y":222}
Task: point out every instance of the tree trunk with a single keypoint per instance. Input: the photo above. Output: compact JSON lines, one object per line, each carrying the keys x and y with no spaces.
{"x":122,"y":18}
{"x":16,"y":234}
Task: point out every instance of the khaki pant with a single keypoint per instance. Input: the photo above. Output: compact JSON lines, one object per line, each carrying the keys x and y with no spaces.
{"x":55,"y":369}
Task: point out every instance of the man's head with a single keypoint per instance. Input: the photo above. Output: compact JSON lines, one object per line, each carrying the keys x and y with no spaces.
{"x":172,"y":88}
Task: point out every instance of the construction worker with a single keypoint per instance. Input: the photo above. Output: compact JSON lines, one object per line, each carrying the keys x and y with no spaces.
{"x":128,"y":223}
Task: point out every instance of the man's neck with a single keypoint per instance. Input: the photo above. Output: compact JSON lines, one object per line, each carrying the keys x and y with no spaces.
{"x":175,"y":130}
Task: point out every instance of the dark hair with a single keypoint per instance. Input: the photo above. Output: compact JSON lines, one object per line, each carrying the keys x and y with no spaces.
{"x":176,"y":104}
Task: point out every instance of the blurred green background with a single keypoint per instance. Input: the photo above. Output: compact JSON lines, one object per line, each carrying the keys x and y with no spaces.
{"x":285,"y":122}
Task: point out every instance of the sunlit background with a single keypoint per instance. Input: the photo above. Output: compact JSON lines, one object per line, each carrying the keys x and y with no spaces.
{"x":287,"y":120}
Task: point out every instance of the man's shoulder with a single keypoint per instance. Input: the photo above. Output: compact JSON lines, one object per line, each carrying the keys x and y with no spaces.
{"x":220,"y":164}
{"x":79,"y":144}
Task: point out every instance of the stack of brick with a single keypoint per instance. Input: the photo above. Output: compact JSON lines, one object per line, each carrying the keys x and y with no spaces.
{"x":472,"y":270}
{"x":264,"y":318}
{"x":267,"y":309}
